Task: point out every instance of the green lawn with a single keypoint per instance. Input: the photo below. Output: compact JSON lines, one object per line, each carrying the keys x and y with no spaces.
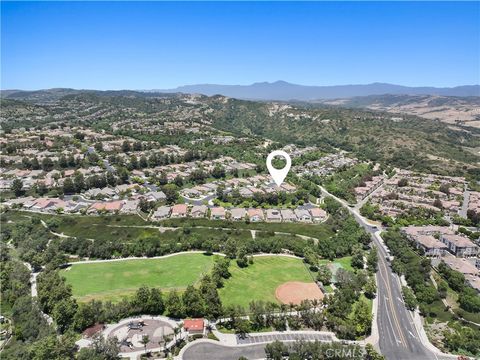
{"x":344,"y":262}
{"x":259,"y":281}
{"x":319,"y":231}
{"x":117,"y":279}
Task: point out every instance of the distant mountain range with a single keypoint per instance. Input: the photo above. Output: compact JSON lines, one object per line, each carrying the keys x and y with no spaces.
{"x":281,"y":90}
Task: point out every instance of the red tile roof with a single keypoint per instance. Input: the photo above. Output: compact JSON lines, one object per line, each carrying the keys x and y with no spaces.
{"x":193,"y":324}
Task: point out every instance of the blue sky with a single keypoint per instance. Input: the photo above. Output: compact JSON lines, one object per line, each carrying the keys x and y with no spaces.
{"x":153,"y":45}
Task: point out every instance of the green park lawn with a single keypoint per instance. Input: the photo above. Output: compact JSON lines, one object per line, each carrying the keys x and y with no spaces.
{"x":117,"y":279}
{"x":259,"y":281}
{"x":344,"y":263}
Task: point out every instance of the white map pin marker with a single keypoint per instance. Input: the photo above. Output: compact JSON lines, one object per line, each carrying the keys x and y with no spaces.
{"x":278,"y":175}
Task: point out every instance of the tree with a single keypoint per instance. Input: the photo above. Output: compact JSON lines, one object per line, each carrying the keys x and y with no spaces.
{"x":155,"y":304}
{"x":409,"y":298}
{"x":79,"y":181}
{"x":357,"y":259}
{"x":145,"y":340}
{"x":372,"y":260}
{"x":63,"y":314}
{"x":171,"y":193}
{"x":68,"y":186}
{"x":101,"y":349}
{"x":178,"y":181}
{"x":52,"y":347}
{"x":86,"y":315}
{"x":193,"y":302}
{"x":370,"y":288}
{"x":47,"y":164}
{"x":242,"y":260}
{"x":310,"y":257}
{"x":174,"y":305}
{"x":438,"y":203}
{"x":362,"y":317}
{"x":230,"y":248}
{"x":402,"y":182}
{"x":35,"y":164}
{"x":17,"y":186}
{"x":242,"y":327}
{"x":324,"y":275}
{"x":141,"y":298}
{"x":218,"y":172}
{"x":372,"y":354}
{"x":275,"y":350}
{"x":41,"y":189}
{"x":445,"y":188}
{"x":111,"y":180}
{"x":211,"y":299}
{"x":123,"y":174}
{"x":126,"y":146}
{"x":98,"y":146}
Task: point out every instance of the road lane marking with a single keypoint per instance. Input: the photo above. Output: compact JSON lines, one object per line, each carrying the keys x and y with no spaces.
{"x":389,"y":290}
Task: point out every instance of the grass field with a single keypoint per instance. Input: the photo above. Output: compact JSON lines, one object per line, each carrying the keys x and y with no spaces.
{"x":259,"y":281}
{"x":117,"y":279}
{"x":319,"y":231}
{"x":344,"y":262}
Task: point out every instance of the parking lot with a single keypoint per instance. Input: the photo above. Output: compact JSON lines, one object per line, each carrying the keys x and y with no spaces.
{"x":283,"y":337}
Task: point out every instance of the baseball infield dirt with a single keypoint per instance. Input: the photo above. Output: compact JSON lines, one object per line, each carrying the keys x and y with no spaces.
{"x":295,"y":291}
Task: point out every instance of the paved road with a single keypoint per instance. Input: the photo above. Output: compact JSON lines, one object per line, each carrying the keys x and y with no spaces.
{"x":398,"y":336}
{"x":252,"y":347}
{"x":202,"y":350}
{"x":466,"y":198}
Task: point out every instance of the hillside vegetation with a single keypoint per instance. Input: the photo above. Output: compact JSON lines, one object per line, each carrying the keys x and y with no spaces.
{"x":410,"y":142}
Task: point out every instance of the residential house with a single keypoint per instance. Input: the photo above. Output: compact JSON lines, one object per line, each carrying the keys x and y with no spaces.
{"x":198,"y":211}
{"x":179,"y":210}
{"x":318,"y":214}
{"x":162,"y":212}
{"x":218,"y":213}
{"x":459,"y":245}
{"x":104,"y":193}
{"x":288,"y":215}
{"x":430,"y":245}
{"x":155,"y":196}
{"x":273,"y":215}
{"x":237,"y":214}
{"x":303,"y":215}
{"x":111,"y":206}
{"x":255,"y":215}
{"x":48,"y":205}
{"x":467,"y":268}
{"x":130,"y":206}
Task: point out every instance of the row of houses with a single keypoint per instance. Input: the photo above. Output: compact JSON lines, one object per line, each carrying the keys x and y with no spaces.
{"x":370,"y":186}
{"x":436,"y":240}
{"x":237,"y":214}
{"x":442,"y":243}
{"x":470,"y":268}
{"x":55,"y":205}
{"x":408,"y":190}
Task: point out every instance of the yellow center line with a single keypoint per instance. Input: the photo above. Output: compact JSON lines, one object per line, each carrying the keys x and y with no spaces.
{"x":397,"y":323}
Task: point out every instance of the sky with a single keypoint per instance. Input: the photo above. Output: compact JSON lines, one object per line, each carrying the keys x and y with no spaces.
{"x":161,"y":45}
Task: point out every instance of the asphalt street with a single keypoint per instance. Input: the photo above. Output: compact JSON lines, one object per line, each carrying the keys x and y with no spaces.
{"x":398,"y":336}
{"x":203,"y":351}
